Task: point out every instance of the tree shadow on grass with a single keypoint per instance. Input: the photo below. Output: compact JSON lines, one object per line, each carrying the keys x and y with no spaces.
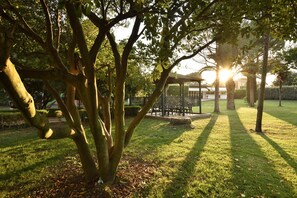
{"x":291,"y":161}
{"x":177,"y":187}
{"x":13,"y":138}
{"x":152,"y":134}
{"x":288,"y":117}
{"x":17,"y":175}
{"x":253,"y":174}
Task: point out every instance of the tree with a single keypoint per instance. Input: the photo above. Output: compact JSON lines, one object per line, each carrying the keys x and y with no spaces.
{"x":226,"y":56}
{"x":290,"y":57}
{"x":251,"y":53}
{"x":291,"y":79}
{"x":281,"y":71}
{"x":169,"y":27}
{"x":273,"y":19}
{"x":216,"y":68}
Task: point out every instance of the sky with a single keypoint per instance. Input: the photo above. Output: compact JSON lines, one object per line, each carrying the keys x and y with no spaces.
{"x":189,"y":66}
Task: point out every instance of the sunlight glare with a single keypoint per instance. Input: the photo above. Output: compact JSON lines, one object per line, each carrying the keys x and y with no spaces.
{"x":224,"y":75}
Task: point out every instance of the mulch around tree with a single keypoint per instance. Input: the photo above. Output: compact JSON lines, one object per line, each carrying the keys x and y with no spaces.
{"x":67,"y":180}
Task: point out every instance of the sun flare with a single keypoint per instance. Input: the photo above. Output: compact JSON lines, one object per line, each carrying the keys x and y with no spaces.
{"x":224,"y":75}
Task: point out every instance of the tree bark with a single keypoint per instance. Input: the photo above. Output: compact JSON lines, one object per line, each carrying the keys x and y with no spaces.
{"x":217,"y":90}
{"x":230,"y":86}
{"x":252,"y":82}
{"x":248,"y":84}
{"x":262,"y":85}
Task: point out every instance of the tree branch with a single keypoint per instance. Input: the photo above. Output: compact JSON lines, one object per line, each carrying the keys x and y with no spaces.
{"x":49,"y":30}
{"x":52,"y":74}
{"x":23,"y":100}
{"x":26,"y":29}
{"x":79,"y":34}
{"x":193,"y":54}
{"x":132,"y":39}
{"x":115,"y":51}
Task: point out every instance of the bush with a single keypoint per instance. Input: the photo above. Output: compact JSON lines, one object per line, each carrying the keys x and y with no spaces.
{"x":289,"y":93}
{"x":240,"y":94}
{"x":11,"y":119}
{"x":131,"y":110}
{"x":54,"y":113}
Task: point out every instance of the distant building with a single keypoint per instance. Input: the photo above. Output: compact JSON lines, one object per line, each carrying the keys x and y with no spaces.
{"x":240,"y":83}
{"x":208,"y":91}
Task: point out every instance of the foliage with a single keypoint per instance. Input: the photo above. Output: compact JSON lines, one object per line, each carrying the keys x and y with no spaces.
{"x":4,"y":100}
{"x":291,"y":79}
{"x":290,"y":57}
{"x":131,"y":111}
{"x":279,"y":69}
{"x":288,"y":93}
{"x":240,"y":93}
{"x":11,"y":119}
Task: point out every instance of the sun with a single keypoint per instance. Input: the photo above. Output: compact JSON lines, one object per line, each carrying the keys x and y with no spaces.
{"x":224,"y":75}
{"x":210,"y":76}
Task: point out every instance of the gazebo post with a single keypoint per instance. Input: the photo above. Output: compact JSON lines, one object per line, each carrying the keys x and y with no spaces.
{"x":200,"y":102}
{"x":182,"y":89}
{"x":162,"y":103}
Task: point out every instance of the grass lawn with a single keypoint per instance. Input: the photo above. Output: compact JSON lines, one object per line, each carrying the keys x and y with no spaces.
{"x":221,"y":157}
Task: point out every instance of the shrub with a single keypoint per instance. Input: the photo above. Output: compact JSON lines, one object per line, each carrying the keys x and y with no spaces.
{"x":240,"y":94}
{"x":131,"y":110}
{"x":289,"y":93}
{"x":54,"y":113}
{"x":11,"y":119}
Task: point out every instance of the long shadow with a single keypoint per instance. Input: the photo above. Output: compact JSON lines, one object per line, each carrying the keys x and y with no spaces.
{"x":253,"y":175}
{"x":188,"y":166}
{"x":156,"y":134}
{"x":285,"y":116}
{"x":7,"y":176}
{"x":29,"y":168}
{"x":12,"y":138}
{"x":291,"y":161}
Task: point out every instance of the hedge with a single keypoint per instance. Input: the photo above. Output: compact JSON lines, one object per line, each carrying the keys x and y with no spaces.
{"x":288,"y":93}
{"x":240,"y":94}
{"x":11,"y":119}
{"x":131,"y":111}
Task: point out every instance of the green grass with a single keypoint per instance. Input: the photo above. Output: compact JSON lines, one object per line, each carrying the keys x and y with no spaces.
{"x":221,"y":157}
{"x":25,"y":160}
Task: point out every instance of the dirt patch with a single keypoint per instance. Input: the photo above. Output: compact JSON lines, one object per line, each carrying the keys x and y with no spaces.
{"x":67,"y":180}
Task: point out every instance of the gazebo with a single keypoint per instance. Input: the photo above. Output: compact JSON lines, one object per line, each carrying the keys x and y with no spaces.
{"x":180,"y":108}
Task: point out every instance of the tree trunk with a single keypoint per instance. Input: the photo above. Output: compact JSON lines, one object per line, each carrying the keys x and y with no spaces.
{"x":230,"y":86}
{"x":262,"y":85}
{"x":87,"y":161}
{"x":252,"y":82}
{"x":248,"y":87}
{"x":280,"y":93}
{"x":217,"y":90}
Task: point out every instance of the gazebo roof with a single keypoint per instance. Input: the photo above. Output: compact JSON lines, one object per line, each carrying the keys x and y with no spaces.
{"x":179,"y":78}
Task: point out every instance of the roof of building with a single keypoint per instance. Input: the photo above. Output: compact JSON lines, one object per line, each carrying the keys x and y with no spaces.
{"x":179,"y":78}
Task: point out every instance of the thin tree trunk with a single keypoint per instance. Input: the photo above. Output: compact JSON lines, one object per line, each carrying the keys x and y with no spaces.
{"x":252,"y":91}
{"x":262,"y":85}
{"x":230,"y":86}
{"x":217,"y":90}
{"x":248,"y":87}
